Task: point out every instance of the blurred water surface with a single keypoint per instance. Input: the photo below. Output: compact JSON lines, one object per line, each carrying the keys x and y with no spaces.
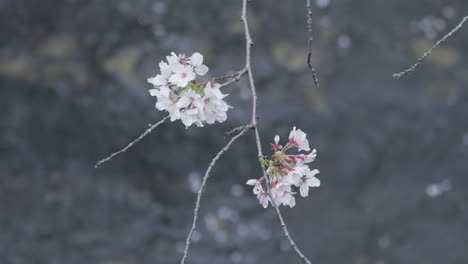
{"x":392,"y":154}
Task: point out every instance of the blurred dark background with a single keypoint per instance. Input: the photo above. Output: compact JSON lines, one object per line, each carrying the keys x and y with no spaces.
{"x":393,"y":154}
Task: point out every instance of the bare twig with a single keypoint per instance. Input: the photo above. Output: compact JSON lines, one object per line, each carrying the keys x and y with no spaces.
{"x":233,"y":78}
{"x":236,"y":130}
{"x":309,"y":55}
{"x":248,"y":46}
{"x":200,"y":191}
{"x":414,"y":66}
{"x":132,"y":143}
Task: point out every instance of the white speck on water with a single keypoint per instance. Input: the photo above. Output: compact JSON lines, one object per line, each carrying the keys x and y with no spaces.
{"x":180,"y":247}
{"x":383,"y":242}
{"x":237,"y":190}
{"x":465,"y":139}
{"x":226,"y":213}
{"x":196,"y":236}
{"x":429,"y":25}
{"x":159,"y":8}
{"x":221,"y":237}
{"x":242,"y":230}
{"x":325,"y":21}
{"x":434,"y":190}
{"x":285,"y":245}
{"x":448,"y":12}
{"x":344,"y":41}
{"x":322,"y":3}
{"x":236,"y":257}
{"x":211,"y":222}
{"x":159,"y":30}
{"x":194,"y":181}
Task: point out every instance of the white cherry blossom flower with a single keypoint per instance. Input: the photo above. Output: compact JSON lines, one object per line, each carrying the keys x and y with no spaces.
{"x":178,"y":92}
{"x":182,"y":75}
{"x":193,"y":104}
{"x":215,"y":106}
{"x":298,"y":139}
{"x":165,"y":69}
{"x":190,"y":117}
{"x":169,"y":105}
{"x":310,"y":157}
{"x":158,"y":80}
{"x":282,"y":194}
{"x":256,"y":184}
{"x":161,"y":92}
{"x":294,"y":176}
{"x":197,"y":62}
{"x":173,"y":59}
{"x":287,"y":171}
{"x":308,"y":180}
{"x":263,"y":198}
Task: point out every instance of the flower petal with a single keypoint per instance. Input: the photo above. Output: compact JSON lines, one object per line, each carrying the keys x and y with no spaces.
{"x":196,"y":59}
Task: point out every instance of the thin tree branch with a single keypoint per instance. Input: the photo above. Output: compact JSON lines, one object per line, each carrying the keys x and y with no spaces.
{"x":151,"y":128}
{"x":233,"y":78}
{"x":236,"y":130}
{"x":200,"y":191}
{"x":309,"y":55}
{"x":414,"y":66}
{"x":248,"y":46}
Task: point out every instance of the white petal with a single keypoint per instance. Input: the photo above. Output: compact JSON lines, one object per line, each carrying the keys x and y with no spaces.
{"x":153,"y":92}
{"x":158,"y":80}
{"x":175,"y":78}
{"x":183,"y":82}
{"x":173,"y":58}
{"x":304,"y":190}
{"x":183,"y":102}
{"x":257,"y":189}
{"x":311,"y":157}
{"x":292,"y":201}
{"x":165,"y":69}
{"x":191,"y":75}
{"x":263,"y":199}
{"x":277,"y":139}
{"x":252,"y":182}
{"x":313,"y":182}
{"x":201,"y":70}
{"x":196,"y":59}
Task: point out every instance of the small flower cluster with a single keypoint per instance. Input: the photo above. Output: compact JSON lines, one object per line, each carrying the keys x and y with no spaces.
{"x":178,"y":92}
{"x":287,"y":170}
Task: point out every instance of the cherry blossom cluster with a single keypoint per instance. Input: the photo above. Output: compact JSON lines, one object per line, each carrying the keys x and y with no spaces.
{"x":178,"y":92}
{"x":286,"y":171}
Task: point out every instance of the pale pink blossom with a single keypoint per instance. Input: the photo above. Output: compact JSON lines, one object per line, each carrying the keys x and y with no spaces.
{"x":282,"y":194}
{"x":215,"y":107}
{"x":165,"y":69}
{"x":308,"y":180}
{"x":256,"y":184}
{"x":298,"y":139}
{"x":174,"y":59}
{"x":169,"y":105}
{"x":191,"y":101}
{"x":287,"y":171}
{"x":192,"y":104}
{"x":182,"y":75}
{"x":277,"y":139}
{"x":263,"y":198}
{"x":160,"y":92}
{"x":197,"y":62}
